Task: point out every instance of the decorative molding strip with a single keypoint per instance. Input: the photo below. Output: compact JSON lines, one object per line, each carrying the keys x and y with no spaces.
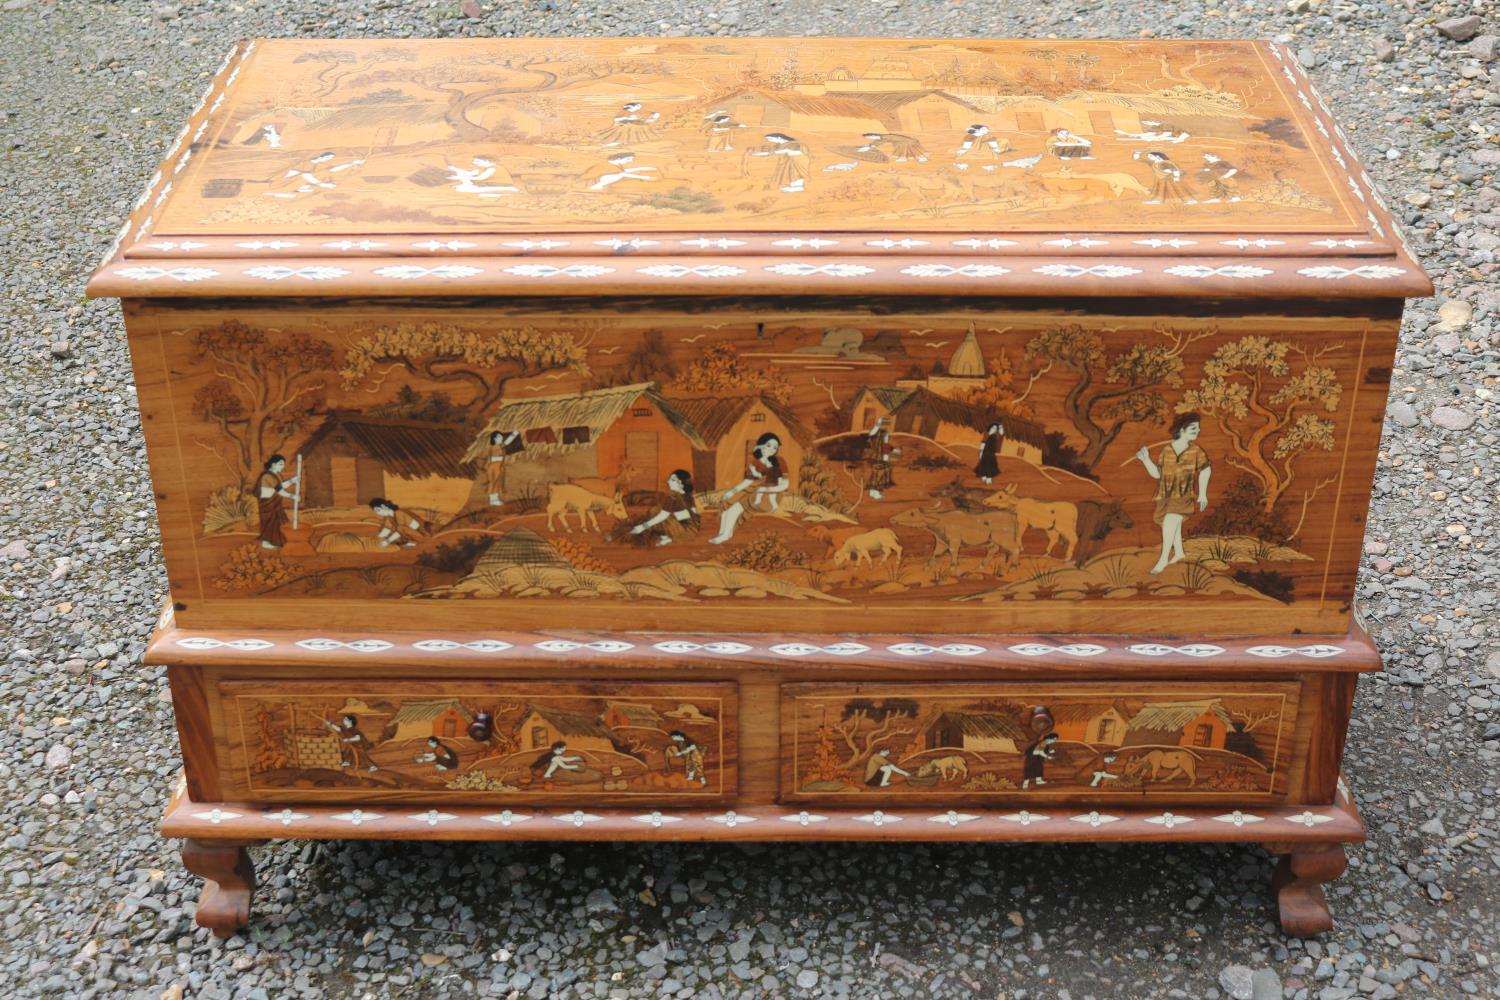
{"x":1070,"y":649}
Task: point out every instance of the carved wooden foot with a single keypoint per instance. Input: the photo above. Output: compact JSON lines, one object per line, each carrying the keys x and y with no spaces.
{"x":1297,"y":883}
{"x":228,"y":882}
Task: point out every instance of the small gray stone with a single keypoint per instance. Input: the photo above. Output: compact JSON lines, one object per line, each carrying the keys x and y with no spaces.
{"x":58,"y":756}
{"x":807,"y":979}
{"x":1452,"y":418}
{"x":1265,"y":985}
{"x":60,"y":348}
{"x":1460,"y":29}
{"x":1484,"y":47}
{"x":1402,"y":412}
{"x":1434,"y":827}
{"x":1384,"y":51}
{"x":1238,"y":982}
{"x":15,"y":550}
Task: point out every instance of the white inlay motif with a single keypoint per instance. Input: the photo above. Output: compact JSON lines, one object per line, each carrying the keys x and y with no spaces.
{"x":407,"y":271}
{"x":1309,"y":819}
{"x":634,"y":243}
{"x":1277,"y":652}
{"x":1198,"y":649}
{"x":358,"y":817}
{"x":577,"y":817}
{"x":175,"y":273}
{"x":549,"y":271}
{"x":656,"y":819}
{"x":217,"y":816}
{"x":444,"y":245}
{"x":354,"y":245}
{"x":702,"y":243}
{"x":698,"y":270}
{"x":598,"y":646}
{"x":208,"y":642}
{"x":286,"y":817}
{"x":878,"y":818}
{"x":266,"y":245}
{"x":797,"y":243}
{"x":804,"y":818}
{"x":1025,"y":818}
{"x":1332,"y":272}
{"x":536,"y":244}
{"x":832,"y":270}
{"x":889,"y":244}
{"x":952,"y":818}
{"x":1175,"y":243}
{"x":311,"y":273}
{"x":731,"y":819}
{"x":168,"y":246}
{"x":1238,"y":818}
{"x":1351,"y":244}
{"x":477,"y":645}
{"x":1094,"y":270}
{"x":684,"y":646}
{"x":807,"y":649}
{"x":1224,"y":271}
{"x":946,"y":270}
{"x":922,"y":649}
{"x":506,"y":818}
{"x":1095,"y":818}
{"x":1071,"y":649}
{"x":1169,"y":820}
{"x":320,"y":645}
{"x":1244,"y":244}
{"x":432,"y":817}
{"x":989,"y":244}
{"x":1068,"y":243}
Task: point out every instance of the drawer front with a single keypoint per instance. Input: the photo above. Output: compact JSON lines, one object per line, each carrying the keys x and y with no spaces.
{"x":582,"y":743}
{"x":1192,"y":742}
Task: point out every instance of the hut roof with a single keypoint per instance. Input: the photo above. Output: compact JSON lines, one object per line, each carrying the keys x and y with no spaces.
{"x":410,"y":448}
{"x":987,"y":725}
{"x":1173,"y":716}
{"x":520,"y":545}
{"x":640,"y":715}
{"x":1081,"y":712}
{"x":950,"y":411}
{"x":888,"y":102}
{"x":968,"y":359}
{"x":715,"y":416}
{"x":570,"y":723}
{"x":1028,"y":431}
{"x":822,"y":106}
{"x":596,"y":410}
{"x":888,"y":396}
{"x":426,"y":711}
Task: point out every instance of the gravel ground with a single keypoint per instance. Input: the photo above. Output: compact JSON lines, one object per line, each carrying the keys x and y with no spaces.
{"x":98,"y":904}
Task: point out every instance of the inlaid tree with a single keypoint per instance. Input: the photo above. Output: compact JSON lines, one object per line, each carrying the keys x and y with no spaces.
{"x":1266,"y":396}
{"x":720,"y":370}
{"x":1111,"y":388}
{"x":266,"y":386}
{"x":484,"y":361}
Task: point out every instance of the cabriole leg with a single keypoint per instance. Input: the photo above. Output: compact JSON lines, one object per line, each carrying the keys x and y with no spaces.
{"x":1298,"y":884}
{"x":228,"y":883}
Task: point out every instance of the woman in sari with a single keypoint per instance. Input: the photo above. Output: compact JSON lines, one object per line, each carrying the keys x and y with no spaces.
{"x":1181,"y":472}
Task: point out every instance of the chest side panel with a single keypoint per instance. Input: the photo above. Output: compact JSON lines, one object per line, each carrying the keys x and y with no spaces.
{"x":733,"y":466}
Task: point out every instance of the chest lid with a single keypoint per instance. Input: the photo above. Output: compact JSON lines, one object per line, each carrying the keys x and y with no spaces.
{"x":754,"y":165}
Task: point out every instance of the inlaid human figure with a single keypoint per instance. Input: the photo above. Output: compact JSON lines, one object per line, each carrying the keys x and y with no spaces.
{"x":984,"y":145}
{"x":1034,"y":765}
{"x":398,"y":527}
{"x":1181,"y":471}
{"x":718,"y":129}
{"x":630,"y":127}
{"x":1103,"y":774}
{"x":556,"y":758}
{"x":271,"y":494}
{"x":989,"y":453}
{"x":678,"y":517}
{"x":617,"y":168}
{"x":267,"y":133}
{"x":1219,"y":175}
{"x":1167,"y":185}
{"x":439,"y":755}
{"x":502,"y":445}
{"x":354,"y":745}
{"x":894,"y":145}
{"x":766,"y":472}
{"x":880,"y":769}
{"x":880,"y":476}
{"x":691,"y":755}
{"x":1064,"y":145}
{"x":791,"y":158}
{"x":317,"y":174}
{"x":468,"y":179}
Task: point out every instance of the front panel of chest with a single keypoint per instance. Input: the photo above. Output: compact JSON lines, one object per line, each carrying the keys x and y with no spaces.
{"x":814,"y":466}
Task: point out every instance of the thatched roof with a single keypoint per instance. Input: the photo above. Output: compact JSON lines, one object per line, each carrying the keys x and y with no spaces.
{"x":570,"y":723}
{"x":822,"y":106}
{"x":519,"y":545}
{"x":637,"y":715}
{"x":887,"y":396}
{"x":409,"y":448}
{"x":1174,"y":716}
{"x":426,"y":711}
{"x":715,"y":416}
{"x":986,"y":725}
{"x":1026,"y":431}
{"x":596,"y":410}
{"x":923,"y":401}
{"x":968,"y":359}
{"x":1082,"y":712}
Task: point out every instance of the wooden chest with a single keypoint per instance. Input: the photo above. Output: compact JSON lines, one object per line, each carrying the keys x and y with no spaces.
{"x":722,"y":438}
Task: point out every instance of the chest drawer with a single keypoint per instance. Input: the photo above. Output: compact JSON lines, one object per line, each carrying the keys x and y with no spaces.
{"x":477,"y":741}
{"x":984,"y":743}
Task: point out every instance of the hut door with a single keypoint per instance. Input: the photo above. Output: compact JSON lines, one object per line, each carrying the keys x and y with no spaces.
{"x":450,"y":727}
{"x":866,"y":418}
{"x":343,"y":476}
{"x":1102,"y":122}
{"x":539,"y":736}
{"x":1203,"y":735}
{"x":1106,"y":731}
{"x":1030,"y":121}
{"x":642,"y":455}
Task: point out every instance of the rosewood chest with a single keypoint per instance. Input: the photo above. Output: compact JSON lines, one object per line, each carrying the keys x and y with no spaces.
{"x":762,"y":439}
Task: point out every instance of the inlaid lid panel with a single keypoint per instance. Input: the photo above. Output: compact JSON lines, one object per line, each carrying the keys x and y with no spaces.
{"x":752,"y":148}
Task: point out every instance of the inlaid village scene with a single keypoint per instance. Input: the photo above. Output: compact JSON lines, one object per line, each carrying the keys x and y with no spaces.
{"x":925,"y":743}
{"x":963,"y":462}
{"x":371,"y":138}
{"x":496,"y":744}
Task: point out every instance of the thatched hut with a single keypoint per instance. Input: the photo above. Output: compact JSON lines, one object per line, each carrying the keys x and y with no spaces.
{"x":351,"y":458}
{"x":729,"y":428}
{"x":543,"y":725}
{"x":622,"y":714}
{"x":444,"y":718}
{"x":978,"y":731}
{"x":1180,"y":723}
{"x":628,"y":435}
{"x":1090,"y":723}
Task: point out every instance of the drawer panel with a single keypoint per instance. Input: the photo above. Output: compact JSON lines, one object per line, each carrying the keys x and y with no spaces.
{"x":547,"y":742}
{"x":925,"y":742}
